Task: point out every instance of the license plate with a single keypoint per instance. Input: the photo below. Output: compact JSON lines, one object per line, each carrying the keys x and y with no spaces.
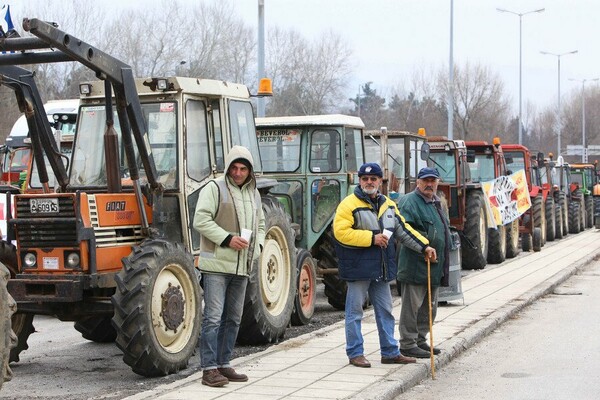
{"x":43,"y":206}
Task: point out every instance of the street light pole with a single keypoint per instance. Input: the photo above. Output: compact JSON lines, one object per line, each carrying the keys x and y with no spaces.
{"x":583,"y":81}
{"x":520,"y":15}
{"x":261,"y":54}
{"x":451,"y":76}
{"x":558,"y":114}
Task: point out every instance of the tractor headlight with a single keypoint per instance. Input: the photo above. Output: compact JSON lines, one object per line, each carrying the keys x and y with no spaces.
{"x":73,"y":260}
{"x":30,"y":260}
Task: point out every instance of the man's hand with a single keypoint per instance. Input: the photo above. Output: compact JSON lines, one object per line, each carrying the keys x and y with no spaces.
{"x":430,"y":254}
{"x":238,"y":243}
{"x":381,"y":240}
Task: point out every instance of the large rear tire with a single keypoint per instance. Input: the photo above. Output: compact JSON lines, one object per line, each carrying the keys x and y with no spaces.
{"x":539,"y":216}
{"x":550,"y":219}
{"x":512,"y":239}
{"x":8,"y":339}
{"x":476,"y":231}
{"x":157,"y":308}
{"x":306,"y":288}
{"x":574,"y":217}
{"x":22,"y":324}
{"x":562,"y":202}
{"x":558,"y":223}
{"x":497,"y":245}
{"x":272,"y":287}
{"x":97,"y":329}
{"x":335,"y":288}
{"x":589,"y":211}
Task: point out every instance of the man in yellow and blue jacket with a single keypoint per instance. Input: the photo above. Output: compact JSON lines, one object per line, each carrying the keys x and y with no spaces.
{"x":364,"y":224}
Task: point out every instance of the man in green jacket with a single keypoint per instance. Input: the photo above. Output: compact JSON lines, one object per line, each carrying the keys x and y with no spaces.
{"x":422,"y":210}
{"x":227,"y":208}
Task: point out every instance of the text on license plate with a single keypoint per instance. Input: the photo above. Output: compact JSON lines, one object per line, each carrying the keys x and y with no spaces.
{"x":38,"y":206}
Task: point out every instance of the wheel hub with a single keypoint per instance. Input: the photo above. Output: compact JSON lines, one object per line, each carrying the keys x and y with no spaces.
{"x":172,"y":307}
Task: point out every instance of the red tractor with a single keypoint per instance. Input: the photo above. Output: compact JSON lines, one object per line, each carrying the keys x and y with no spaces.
{"x":519,"y":157}
{"x":486,"y":162}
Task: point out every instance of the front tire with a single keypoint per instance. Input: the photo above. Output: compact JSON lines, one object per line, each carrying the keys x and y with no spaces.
{"x":157,"y":307}
{"x":497,"y":245}
{"x":306,"y":289}
{"x":272,"y":286}
{"x":512,"y":239}
{"x":550,"y":219}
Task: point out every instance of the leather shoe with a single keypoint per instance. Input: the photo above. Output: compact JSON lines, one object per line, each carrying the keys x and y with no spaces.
{"x":213,"y":378}
{"x":360,"y":361}
{"x":399,"y":359}
{"x":233,"y":376}
{"x":416,"y":352}
{"x":426,"y":347}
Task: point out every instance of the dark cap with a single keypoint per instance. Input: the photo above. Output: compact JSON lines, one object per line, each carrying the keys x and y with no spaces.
{"x":428,"y":172}
{"x":370,"y":169}
{"x":243,"y":161}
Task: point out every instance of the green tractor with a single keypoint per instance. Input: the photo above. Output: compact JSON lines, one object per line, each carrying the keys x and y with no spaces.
{"x":314,"y":159}
{"x":585,"y":176}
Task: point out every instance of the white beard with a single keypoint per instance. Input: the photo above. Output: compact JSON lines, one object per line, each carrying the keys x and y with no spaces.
{"x":370,"y":191}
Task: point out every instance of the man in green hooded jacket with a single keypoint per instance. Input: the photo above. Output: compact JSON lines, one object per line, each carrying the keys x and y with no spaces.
{"x":422,"y":210}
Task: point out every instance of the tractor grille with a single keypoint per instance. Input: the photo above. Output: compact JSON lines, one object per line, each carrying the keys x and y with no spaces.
{"x":46,"y":230}
{"x":111,"y":236}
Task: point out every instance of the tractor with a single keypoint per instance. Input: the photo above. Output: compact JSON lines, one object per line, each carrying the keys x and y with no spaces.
{"x":113,"y":248}
{"x":464,"y":198}
{"x":530,"y":223}
{"x":314,"y":159}
{"x":585,"y":176}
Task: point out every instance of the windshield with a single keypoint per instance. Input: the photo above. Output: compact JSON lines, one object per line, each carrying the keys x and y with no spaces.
{"x":577,"y":177}
{"x":88,"y":165}
{"x":515,"y":160}
{"x":279,"y":149}
{"x":243,"y":131}
{"x":482,"y":169}
{"x":445,"y":164}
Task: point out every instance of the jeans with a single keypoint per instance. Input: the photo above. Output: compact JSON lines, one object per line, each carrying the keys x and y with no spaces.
{"x":381,"y":298}
{"x":414,"y":314}
{"x":223,"y":306}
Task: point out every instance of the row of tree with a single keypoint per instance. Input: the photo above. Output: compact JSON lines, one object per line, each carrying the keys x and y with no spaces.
{"x":209,"y":39}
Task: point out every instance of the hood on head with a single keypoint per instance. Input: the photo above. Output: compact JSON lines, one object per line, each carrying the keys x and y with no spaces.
{"x":237,"y":152}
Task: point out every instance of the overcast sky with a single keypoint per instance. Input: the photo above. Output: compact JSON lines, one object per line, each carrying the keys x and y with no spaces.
{"x":392,"y":38}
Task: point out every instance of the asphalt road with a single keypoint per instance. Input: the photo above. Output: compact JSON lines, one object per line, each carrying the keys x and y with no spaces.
{"x":548,"y":351}
{"x":60,"y":364}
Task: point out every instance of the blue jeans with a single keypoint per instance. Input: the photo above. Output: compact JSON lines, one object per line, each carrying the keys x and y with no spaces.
{"x":223,"y":306}
{"x":381,"y":298}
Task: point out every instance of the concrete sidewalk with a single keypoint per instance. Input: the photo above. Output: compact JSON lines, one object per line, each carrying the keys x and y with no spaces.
{"x":315,"y":365}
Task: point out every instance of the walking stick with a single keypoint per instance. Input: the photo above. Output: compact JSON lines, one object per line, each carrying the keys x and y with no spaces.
{"x":430,"y":319}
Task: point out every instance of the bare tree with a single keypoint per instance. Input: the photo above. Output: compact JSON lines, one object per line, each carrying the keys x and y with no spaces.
{"x":481,"y":107}
{"x":307,"y":78}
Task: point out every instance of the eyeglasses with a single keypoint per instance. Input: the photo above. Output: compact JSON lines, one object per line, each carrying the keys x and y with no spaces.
{"x":369,"y":178}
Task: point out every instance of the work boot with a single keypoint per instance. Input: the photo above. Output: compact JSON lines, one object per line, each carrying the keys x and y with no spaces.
{"x":426,"y":347}
{"x":213,"y":378}
{"x":360,"y":361}
{"x":415,"y":352}
{"x":233,"y":376}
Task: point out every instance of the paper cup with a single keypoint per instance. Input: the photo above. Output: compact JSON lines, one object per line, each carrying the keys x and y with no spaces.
{"x":387,"y":233}
{"x":246,"y":234}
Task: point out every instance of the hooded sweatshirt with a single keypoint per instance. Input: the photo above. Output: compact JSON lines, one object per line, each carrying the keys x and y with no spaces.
{"x":222,"y":211}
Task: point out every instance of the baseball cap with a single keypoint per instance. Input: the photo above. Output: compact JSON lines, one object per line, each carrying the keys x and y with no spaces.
{"x":370,"y":169}
{"x":428,"y":172}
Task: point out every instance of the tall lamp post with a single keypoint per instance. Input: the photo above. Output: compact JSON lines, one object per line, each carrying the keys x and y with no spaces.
{"x":520,"y":15}
{"x":261,"y":54}
{"x":583,"y":81}
{"x":451,"y":76}
{"x":558,"y":116}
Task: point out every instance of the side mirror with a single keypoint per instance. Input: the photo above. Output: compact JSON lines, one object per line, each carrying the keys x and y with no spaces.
{"x":470,"y":156}
{"x":425,"y":151}
{"x":540,"y":159}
